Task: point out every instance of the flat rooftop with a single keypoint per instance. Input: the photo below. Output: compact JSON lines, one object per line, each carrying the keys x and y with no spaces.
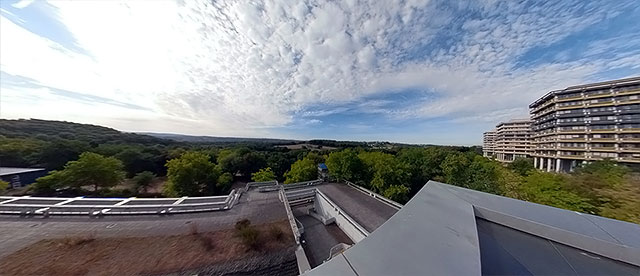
{"x":10,"y":170}
{"x":448,"y":230}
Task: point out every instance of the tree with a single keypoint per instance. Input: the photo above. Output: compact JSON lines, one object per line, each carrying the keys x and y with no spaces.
{"x":224,"y":181}
{"x":454,"y":169}
{"x":550,"y":189}
{"x":240,"y":160}
{"x":94,"y":170}
{"x":192,"y":174}
{"x":265,"y":174}
{"x":301,"y":170}
{"x":143,"y":180}
{"x":4,"y":185}
{"x":522,"y":166}
{"x":345,"y":165}
{"x":385,"y":170}
{"x":423,"y":164}
{"x":91,"y":169}
{"x":399,"y":193}
{"x":135,"y":161}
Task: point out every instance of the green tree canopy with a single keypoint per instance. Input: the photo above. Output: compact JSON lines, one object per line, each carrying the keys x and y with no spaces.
{"x":4,"y":185}
{"x":192,"y":174}
{"x":264,"y":174}
{"x":302,"y":170}
{"x":345,"y":165}
{"x":91,"y":169}
{"x":385,"y":170}
{"x":143,"y":180}
{"x":522,"y":166}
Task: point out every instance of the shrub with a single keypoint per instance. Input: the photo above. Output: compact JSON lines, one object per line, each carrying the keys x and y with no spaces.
{"x":276,"y":233}
{"x":244,"y":223}
{"x":75,"y":241}
{"x":249,"y":236}
{"x":193,"y":228}
{"x":206,"y":242}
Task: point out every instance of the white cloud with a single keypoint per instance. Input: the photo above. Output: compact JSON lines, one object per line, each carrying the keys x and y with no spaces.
{"x":239,"y":68}
{"x":22,"y":4}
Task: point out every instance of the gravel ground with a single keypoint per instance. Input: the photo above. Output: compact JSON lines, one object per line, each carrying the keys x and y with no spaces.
{"x":17,"y":232}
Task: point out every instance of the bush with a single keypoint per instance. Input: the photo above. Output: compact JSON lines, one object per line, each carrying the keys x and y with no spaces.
{"x":193,"y":228}
{"x":244,"y":223}
{"x":250,"y":237}
{"x":75,"y":241}
{"x":276,"y":233}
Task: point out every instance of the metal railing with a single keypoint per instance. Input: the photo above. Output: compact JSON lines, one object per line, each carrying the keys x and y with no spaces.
{"x":27,"y":205}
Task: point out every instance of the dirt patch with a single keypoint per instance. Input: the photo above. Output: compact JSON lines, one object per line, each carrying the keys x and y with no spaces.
{"x":147,"y":255}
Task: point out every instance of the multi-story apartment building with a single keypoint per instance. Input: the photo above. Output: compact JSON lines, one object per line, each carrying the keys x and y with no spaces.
{"x":513,"y":140}
{"x":587,"y":122}
{"x":489,"y":144}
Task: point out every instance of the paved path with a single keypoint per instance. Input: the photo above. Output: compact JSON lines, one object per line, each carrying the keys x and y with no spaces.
{"x":17,"y":232}
{"x":369,"y":212}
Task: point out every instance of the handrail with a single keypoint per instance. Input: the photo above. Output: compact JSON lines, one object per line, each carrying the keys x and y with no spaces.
{"x":290,"y":217}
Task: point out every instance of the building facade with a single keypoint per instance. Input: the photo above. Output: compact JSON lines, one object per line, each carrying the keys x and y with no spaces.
{"x":513,"y":140}
{"x":587,"y":122}
{"x":20,"y":177}
{"x":489,"y":144}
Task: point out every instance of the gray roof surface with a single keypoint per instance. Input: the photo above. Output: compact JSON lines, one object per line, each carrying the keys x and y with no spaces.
{"x":9,"y":170}
{"x":436,"y":233}
{"x":369,"y":212}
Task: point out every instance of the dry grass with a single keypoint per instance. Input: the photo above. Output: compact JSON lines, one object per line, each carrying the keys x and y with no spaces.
{"x":88,"y":255}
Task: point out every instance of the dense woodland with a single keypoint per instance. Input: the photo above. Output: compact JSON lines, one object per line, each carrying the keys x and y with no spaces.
{"x":95,"y":161}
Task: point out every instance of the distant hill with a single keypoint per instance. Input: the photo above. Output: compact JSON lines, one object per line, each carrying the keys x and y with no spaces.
{"x":217,"y":140}
{"x":46,"y":130}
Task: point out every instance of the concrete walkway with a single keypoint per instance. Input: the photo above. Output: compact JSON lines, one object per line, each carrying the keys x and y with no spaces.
{"x":320,"y":238}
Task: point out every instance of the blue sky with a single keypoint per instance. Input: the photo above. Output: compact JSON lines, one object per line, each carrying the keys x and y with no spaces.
{"x":436,"y":72}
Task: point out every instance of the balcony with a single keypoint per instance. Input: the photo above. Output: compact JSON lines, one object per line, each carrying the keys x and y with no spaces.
{"x":599,"y":104}
{"x":573,"y":106}
{"x":604,"y":149}
{"x":571,"y":156}
{"x":572,"y":131}
{"x":568,"y":99}
{"x":628,"y":92}
{"x":630,"y":159}
{"x":596,"y":96}
{"x":603,"y":130}
{"x":610,"y":140}
{"x":629,"y":130}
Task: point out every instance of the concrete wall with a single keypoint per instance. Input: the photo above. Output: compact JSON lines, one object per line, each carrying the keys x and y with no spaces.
{"x":328,"y":209}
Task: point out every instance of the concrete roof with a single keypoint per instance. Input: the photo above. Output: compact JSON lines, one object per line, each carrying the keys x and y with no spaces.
{"x":9,"y":170}
{"x":437,"y":233}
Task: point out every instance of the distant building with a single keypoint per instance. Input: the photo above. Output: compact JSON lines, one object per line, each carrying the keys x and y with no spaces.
{"x":513,"y":140}
{"x":585,"y":123}
{"x":20,"y":177}
{"x":489,"y":144}
{"x":323,"y":172}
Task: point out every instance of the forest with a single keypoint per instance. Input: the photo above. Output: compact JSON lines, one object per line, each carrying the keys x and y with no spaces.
{"x":98,"y":161}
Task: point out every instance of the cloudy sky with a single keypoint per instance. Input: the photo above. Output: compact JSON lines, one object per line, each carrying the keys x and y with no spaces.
{"x":409,"y":71}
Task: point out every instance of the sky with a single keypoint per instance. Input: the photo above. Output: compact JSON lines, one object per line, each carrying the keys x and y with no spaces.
{"x":426,"y":72}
